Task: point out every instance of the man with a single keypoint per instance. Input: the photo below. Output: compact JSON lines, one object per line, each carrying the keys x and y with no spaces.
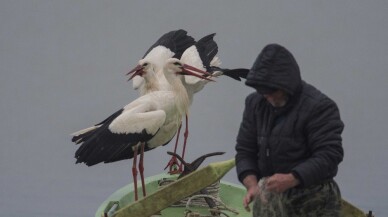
{"x":290,"y":138}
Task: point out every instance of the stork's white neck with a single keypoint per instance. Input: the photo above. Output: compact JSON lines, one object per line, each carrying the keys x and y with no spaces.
{"x":151,"y":84}
{"x":182,"y":98}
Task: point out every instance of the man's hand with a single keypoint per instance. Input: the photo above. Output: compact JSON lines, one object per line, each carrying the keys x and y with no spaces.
{"x":279,"y":183}
{"x":251,"y":194}
{"x":250,"y":182}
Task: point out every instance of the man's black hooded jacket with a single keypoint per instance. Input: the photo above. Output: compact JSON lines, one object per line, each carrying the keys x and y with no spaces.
{"x":303,"y":137}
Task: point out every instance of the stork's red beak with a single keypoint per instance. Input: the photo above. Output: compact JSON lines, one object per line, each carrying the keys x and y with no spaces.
{"x":138,"y":70}
{"x":190,"y":70}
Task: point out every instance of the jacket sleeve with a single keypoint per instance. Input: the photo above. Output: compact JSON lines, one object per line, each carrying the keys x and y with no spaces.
{"x":246,"y":147}
{"x":324,"y":142}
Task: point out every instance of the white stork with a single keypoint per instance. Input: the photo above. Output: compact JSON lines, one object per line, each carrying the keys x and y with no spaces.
{"x":171,"y":44}
{"x":198,"y":55}
{"x":147,"y":122}
{"x":202,"y":55}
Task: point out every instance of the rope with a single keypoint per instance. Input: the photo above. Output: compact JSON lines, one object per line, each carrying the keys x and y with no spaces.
{"x":215,"y":211}
{"x":213,"y":190}
{"x":198,"y":200}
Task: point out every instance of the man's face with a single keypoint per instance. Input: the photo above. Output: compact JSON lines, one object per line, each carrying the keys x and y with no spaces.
{"x":277,"y":98}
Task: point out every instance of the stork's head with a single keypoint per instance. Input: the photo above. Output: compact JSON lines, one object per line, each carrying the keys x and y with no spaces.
{"x":143,"y":68}
{"x":175,"y":66}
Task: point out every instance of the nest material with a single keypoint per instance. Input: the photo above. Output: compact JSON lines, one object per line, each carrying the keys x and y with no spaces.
{"x":213,"y":191}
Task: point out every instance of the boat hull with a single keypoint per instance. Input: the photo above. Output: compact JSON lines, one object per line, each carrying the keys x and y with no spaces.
{"x":231,"y":194}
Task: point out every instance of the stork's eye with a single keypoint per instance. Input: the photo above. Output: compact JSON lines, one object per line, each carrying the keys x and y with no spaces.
{"x":145,"y":64}
{"x":177,"y":63}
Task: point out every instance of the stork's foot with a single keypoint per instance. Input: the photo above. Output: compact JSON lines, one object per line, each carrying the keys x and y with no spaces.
{"x":176,"y":170}
{"x":174,"y":166}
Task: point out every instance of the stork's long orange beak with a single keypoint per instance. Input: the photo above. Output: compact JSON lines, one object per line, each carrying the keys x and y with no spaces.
{"x":138,"y":70}
{"x":190,"y":70}
{"x":195,"y":69}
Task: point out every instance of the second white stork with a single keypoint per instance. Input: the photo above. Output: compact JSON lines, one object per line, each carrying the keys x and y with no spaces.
{"x":202,"y":55}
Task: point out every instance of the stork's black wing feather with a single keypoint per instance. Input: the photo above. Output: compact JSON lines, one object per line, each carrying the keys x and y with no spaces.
{"x":127,"y":153}
{"x":177,"y":41}
{"x":207,"y":49}
{"x":105,"y":146}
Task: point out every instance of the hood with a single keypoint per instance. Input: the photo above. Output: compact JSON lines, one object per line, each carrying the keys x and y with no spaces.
{"x":275,"y":67}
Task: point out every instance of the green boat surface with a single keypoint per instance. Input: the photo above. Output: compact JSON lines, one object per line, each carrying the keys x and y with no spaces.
{"x":230,"y":193}
{"x":160,"y":199}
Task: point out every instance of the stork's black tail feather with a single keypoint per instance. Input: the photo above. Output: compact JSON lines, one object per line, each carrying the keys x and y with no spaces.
{"x":102,"y":147}
{"x":83,"y":137}
{"x":236,"y":74}
{"x":98,"y":145}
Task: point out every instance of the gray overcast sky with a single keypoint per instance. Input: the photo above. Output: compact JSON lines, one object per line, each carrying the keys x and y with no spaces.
{"x":62,"y":66}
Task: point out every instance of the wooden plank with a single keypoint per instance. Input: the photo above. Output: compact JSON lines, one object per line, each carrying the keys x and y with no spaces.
{"x":170,"y":194}
{"x":349,"y":210}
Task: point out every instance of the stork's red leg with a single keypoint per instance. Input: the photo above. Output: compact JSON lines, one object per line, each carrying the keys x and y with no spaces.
{"x":186,"y":134}
{"x":141,"y":168}
{"x":173,"y":161}
{"x":134,"y":171}
{"x":177,"y":137}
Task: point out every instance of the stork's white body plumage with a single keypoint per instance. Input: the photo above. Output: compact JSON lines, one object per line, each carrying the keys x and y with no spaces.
{"x":158,"y":113}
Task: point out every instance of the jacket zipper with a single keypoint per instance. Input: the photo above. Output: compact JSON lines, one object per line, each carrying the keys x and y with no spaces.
{"x":267,"y":147}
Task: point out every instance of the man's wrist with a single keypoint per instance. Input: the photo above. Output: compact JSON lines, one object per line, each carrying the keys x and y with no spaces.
{"x":250,"y":181}
{"x":244,"y":174}
{"x":294,"y":180}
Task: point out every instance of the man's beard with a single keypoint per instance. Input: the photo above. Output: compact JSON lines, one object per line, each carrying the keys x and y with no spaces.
{"x":278,"y":103}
